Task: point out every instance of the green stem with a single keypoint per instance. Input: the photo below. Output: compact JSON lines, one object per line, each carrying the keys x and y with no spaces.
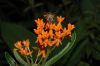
{"x":31,"y":57}
{"x":40,"y":60}
{"x":48,"y":52}
{"x":37,"y":57}
{"x":27,"y":59}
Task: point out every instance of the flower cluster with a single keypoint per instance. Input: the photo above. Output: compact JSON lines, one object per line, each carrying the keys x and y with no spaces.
{"x":23,"y":47}
{"x":51,"y":34}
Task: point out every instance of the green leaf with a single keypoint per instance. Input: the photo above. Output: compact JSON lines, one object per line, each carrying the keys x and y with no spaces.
{"x":96,"y":55}
{"x":83,"y":64}
{"x":13,"y":32}
{"x":9,"y":59}
{"x":96,"y":50}
{"x":62,"y":52}
{"x":87,"y":7}
{"x":19,"y":59}
{"x":76,"y":54}
{"x":88,"y":50}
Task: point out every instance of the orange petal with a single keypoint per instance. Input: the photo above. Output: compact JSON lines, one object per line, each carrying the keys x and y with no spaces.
{"x":51,"y":33}
{"x":26,"y":43}
{"x":18,"y":44}
{"x":43,"y":53}
{"x":60,"y":18}
{"x":70,"y":27}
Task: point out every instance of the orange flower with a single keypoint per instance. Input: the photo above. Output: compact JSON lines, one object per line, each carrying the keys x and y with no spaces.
{"x":70,"y":28}
{"x":40,"y":26}
{"x":58,"y":35}
{"x":18,"y":45}
{"x":60,"y":19}
{"x":26,"y":43}
{"x":50,"y":26}
{"x":43,"y":53}
{"x":63,"y":33}
{"x":51,"y":34}
{"x":40,"y":23}
{"x":23,"y":47}
{"x":45,"y":34}
{"x":58,"y":42}
{"x":46,"y":41}
{"x":24,"y":51}
{"x":39,"y":40}
{"x":52,"y":43}
{"x":58,"y":27}
{"x":37,"y":31}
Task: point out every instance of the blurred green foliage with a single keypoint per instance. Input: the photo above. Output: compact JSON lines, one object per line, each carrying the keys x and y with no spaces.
{"x":16,"y":23}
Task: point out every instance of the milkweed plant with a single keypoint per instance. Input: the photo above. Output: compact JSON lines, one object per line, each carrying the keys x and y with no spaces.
{"x":50,"y":34}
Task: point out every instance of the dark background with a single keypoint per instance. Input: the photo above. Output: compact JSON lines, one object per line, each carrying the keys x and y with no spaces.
{"x":85,"y":14}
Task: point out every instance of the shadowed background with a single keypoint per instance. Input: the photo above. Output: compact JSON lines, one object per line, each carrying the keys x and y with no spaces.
{"x":85,"y":14}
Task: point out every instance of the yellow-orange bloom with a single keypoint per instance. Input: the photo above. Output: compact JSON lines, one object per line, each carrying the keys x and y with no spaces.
{"x":18,"y":44}
{"x":44,"y":34}
{"x":23,"y":47}
{"x":58,"y":42}
{"x":70,"y":28}
{"x":26,"y":43}
{"x":40,"y":26}
{"x":51,"y":34}
{"x":24,"y":51}
{"x":46,"y":41}
{"x":43,"y":53}
{"x":39,"y":40}
{"x":52,"y":43}
{"x":58,"y":35}
{"x":60,"y":19}
{"x":50,"y":26}
{"x":37,"y":31}
{"x":40,"y":23}
{"x":58,"y":27}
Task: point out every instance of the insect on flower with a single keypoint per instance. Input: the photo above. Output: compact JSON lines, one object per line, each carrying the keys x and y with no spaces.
{"x":49,"y":17}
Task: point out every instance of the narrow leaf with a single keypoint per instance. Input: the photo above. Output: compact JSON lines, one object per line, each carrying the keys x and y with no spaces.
{"x":63,"y":52}
{"x":19,"y":59}
{"x":9,"y":59}
{"x":13,"y":32}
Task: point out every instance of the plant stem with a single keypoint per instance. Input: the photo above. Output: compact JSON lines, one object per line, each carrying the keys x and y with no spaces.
{"x":40,"y":60}
{"x":31,"y":56}
{"x":37,"y":57}
{"x":48,"y":52}
{"x":27,"y":59}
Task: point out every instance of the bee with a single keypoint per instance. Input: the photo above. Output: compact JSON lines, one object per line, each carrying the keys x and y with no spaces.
{"x":49,"y":17}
